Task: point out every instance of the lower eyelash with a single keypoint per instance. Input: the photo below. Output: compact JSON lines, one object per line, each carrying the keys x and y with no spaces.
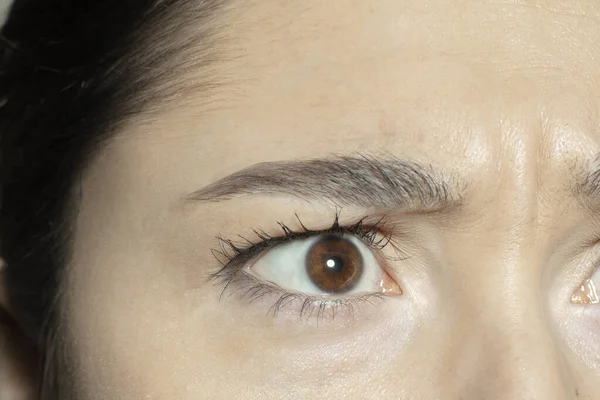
{"x":246,"y":287}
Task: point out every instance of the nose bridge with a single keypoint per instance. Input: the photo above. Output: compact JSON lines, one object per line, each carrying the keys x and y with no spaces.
{"x":520,"y":360}
{"x":510,"y":349}
{"x":518,"y":356}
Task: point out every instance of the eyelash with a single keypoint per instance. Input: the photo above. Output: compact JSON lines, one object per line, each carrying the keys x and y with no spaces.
{"x":234,"y":255}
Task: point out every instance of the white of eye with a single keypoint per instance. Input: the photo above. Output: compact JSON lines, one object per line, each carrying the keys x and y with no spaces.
{"x":286,"y":266}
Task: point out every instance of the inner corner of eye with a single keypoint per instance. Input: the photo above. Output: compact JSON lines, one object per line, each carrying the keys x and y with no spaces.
{"x":385,"y":283}
{"x":389,"y":286}
{"x":586,"y":293}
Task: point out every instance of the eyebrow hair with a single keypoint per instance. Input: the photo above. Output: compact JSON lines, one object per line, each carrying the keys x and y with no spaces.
{"x":587,"y":188}
{"x":362,"y":181}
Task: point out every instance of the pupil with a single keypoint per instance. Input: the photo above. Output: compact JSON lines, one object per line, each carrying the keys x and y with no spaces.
{"x":335,"y":264}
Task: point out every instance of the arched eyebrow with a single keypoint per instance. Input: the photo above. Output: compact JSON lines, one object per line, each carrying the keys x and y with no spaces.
{"x":362,"y":181}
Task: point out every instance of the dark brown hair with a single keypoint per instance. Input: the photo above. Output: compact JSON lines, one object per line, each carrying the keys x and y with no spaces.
{"x":71,"y":71}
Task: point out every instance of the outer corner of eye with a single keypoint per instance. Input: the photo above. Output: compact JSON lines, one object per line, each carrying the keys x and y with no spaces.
{"x":586,"y":293}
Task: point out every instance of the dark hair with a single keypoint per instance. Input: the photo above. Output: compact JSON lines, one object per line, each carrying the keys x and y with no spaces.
{"x":71,"y":72}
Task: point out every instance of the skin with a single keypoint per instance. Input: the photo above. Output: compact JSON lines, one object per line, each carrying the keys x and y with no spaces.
{"x":504,"y":96}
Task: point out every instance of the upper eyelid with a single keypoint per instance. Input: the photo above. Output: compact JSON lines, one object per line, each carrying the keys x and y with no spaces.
{"x":230,"y":250}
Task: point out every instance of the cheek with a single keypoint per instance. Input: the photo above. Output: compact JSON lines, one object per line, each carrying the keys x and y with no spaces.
{"x":139,"y":341}
{"x":582,"y":332}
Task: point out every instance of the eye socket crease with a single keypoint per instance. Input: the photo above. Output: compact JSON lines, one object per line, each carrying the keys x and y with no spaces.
{"x":363,"y":181}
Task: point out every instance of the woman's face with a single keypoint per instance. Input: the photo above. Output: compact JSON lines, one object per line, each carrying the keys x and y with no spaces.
{"x":455,"y":143}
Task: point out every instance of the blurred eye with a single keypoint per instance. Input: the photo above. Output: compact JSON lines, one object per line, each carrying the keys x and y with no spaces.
{"x":587,"y":293}
{"x":327,"y":264}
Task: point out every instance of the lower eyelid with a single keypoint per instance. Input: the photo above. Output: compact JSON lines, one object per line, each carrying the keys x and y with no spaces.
{"x":276,"y":303}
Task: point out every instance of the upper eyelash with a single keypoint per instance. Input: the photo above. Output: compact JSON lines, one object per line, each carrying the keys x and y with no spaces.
{"x":231,"y":252}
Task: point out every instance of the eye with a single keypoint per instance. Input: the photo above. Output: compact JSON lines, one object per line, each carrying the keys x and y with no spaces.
{"x":587,"y":293}
{"x":314,"y":274}
{"x":327,"y":264}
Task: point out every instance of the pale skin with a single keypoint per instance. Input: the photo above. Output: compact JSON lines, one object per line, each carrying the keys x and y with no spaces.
{"x":502,"y":98}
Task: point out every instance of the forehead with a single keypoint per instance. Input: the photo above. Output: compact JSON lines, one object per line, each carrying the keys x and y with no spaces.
{"x":462,"y":85}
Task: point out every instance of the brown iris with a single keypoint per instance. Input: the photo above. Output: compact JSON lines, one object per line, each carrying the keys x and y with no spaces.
{"x":334,"y":264}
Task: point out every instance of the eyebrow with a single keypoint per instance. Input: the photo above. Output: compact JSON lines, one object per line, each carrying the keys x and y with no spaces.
{"x":363,"y":181}
{"x":587,"y":188}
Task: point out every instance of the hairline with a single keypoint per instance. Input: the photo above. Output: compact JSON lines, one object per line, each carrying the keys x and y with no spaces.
{"x":165,"y":82}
